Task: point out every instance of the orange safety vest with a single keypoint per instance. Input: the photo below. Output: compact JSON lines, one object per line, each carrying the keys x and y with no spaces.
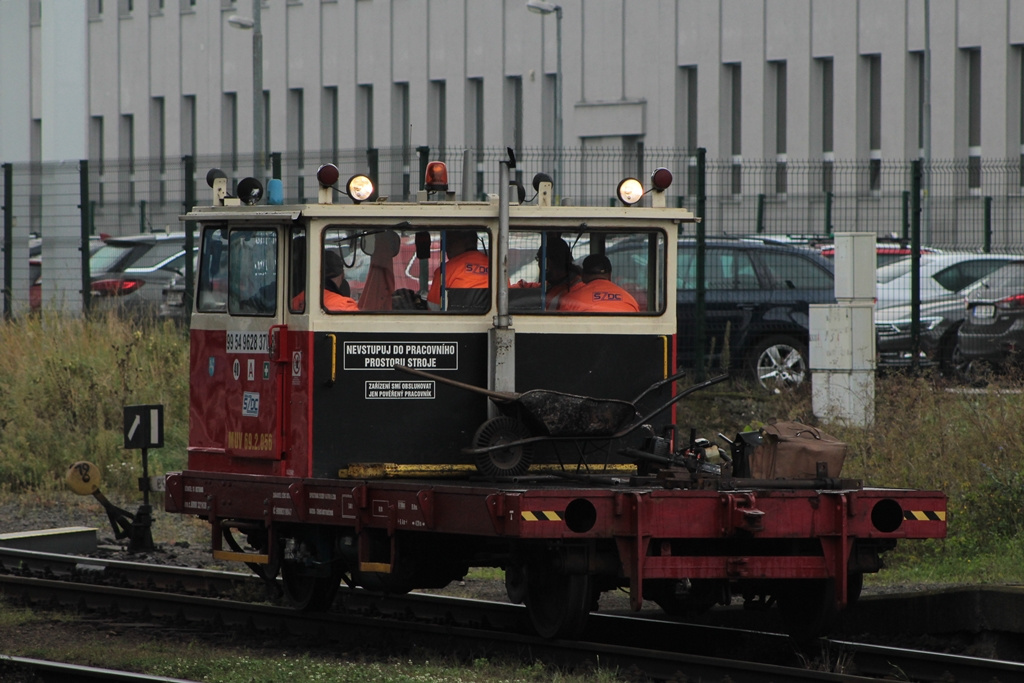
{"x":468,"y":270}
{"x":555,"y":293}
{"x":599,"y":296}
{"x":339,"y":302}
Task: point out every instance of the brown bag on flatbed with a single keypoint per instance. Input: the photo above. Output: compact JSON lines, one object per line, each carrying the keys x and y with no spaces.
{"x":792,"y":450}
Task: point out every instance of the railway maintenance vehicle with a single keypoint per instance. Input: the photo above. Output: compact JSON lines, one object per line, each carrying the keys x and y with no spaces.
{"x":388,"y":393}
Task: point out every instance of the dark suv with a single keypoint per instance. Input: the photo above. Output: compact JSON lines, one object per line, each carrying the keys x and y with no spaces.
{"x":756,"y":306}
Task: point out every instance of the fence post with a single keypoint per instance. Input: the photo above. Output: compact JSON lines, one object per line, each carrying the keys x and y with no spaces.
{"x":905,"y":217}
{"x":988,"y":225}
{"x":423,"y":152}
{"x":760,"y":213}
{"x":83,"y":210}
{"x":275,"y":165}
{"x":8,"y":209}
{"x":640,"y":160}
{"x":190,"y":227}
{"x":698,"y":325}
{"x":373,"y":162}
{"x":828,"y":214}
{"x":915,"y":264}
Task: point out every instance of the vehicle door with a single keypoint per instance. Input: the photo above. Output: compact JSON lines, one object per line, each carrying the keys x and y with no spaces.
{"x":733,"y":296}
{"x":240,"y":354}
{"x":795,"y":280}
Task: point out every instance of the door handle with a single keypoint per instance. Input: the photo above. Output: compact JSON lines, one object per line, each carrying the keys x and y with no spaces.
{"x":276,"y":340}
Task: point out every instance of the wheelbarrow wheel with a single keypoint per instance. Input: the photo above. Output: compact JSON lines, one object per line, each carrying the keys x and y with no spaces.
{"x":510,"y":461}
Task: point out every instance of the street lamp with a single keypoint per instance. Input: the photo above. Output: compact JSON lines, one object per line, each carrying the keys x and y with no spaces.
{"x":257,"y":81}
{"x":542,"y":7}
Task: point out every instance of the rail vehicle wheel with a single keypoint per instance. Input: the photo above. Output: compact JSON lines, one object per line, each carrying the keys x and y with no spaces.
{"x":307,"y":591}
{"x":559,"y":604}
{"x":684,"y":597}
{"x":310,"y":575}
{"x":807,"y":607}
{"x":503,"y":462}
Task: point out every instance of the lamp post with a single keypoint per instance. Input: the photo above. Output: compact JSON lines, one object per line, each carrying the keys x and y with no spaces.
{"x":542,"y":7}
{"x":255,"y":24}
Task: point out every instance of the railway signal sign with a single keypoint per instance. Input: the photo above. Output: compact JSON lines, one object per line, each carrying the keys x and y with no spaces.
{"x":144,"y":426}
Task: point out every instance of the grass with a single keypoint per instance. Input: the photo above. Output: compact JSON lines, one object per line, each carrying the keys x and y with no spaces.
{"x":63,"y":386}
{"x":56,"y":637}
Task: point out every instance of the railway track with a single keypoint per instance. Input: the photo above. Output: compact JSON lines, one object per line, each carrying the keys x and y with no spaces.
{"x":41,"y":671}
{"x":660,"y":649}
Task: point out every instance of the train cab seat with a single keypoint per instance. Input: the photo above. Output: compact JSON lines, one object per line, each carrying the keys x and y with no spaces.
{"x":469,"y":300}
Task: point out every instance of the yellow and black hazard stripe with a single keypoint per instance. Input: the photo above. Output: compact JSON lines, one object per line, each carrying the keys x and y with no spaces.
{"x":924,"y":515}
{"x":541,"y":516}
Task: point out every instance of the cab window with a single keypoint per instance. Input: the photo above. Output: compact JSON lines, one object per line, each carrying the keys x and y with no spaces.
{"x":212,"y":287}
{"x":380,"y":270}
{"x":586,"y":272}
{"x":252,"y":280}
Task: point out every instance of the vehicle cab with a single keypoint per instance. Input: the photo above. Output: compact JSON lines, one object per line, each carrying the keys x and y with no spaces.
{"x":301,"y":314}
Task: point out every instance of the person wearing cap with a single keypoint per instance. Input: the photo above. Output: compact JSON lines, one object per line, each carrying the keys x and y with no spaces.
{"x":466,"y":268}
{"x":598,"y":294}
{"x":560,"y":273}
{"x":335,"y":286}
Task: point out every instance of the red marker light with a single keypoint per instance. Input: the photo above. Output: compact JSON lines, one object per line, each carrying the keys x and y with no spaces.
{"x":436,"y":177}
{"x":661,"y":179}
{"x":327,"y":175}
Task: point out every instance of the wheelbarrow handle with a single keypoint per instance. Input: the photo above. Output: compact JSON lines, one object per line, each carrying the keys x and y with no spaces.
{"x":496,"y":395}
{"x":675,"y":399}
{"x":659,"y":384}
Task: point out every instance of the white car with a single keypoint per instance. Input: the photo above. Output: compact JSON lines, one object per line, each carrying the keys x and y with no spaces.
{"x":941,"y":275}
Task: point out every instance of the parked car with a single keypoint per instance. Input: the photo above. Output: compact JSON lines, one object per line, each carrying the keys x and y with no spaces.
{"x":757,"y":302}
{"x":35,"y":286}
{"x":129,"y":273}
{"x":940,"y":322}
{"x":992,"y":334}
{"x":942,"y":274}
{"x":887,"y":249}
{"x":35,"y":267}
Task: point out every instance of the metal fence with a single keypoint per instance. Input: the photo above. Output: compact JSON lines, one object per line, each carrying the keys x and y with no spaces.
{"x":974,"y":205}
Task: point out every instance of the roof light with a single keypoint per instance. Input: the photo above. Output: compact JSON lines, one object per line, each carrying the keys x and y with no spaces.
{"x":359,"y":188}
{"x":215,"y":174}
{"x":327,"y":175}
{"x":630,"y":191}
{"x":250,"y":191}
{"x":661,"y":179}
{"x":436,"y":177}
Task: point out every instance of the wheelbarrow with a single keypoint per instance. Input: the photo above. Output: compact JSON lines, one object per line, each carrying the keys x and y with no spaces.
{"x":502,"y":446}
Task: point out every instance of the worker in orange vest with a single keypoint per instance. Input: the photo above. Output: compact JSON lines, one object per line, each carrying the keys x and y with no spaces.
{"x":466,"y":268}
{"x":598,"y":293}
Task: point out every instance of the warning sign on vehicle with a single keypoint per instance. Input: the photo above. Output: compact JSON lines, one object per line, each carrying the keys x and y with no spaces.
{"x":384,"y":355}
{"x":400,"y":389}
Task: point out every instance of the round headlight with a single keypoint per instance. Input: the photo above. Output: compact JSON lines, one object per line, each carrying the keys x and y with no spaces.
{"x":360,"y":188}
{"x":630,"y":191}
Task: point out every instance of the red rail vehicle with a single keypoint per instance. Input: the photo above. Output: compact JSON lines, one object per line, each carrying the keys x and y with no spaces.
{"x":364,"y":409}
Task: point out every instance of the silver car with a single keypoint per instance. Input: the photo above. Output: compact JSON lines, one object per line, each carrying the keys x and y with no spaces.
{"x":128,"y":274}
{"x":942,"y":274}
